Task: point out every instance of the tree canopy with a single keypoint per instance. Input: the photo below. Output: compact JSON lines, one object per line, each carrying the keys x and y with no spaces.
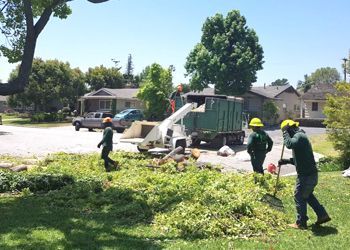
{"x":155,"y":90}
{"x":102,"y":77}
{"x":280,"y":82}
{"x":228,"y":56}
{"x":325,"y":75}
{"x":51,"y":83}
{"x":21,"y":22}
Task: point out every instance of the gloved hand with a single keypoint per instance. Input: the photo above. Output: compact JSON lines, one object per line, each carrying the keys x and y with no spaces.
{"x":99,"y":145}
{"x":285,"y":128}
{"x":284,"y":162}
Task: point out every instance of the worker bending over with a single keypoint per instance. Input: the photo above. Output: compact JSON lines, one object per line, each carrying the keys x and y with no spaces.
{"x":307,"y":175}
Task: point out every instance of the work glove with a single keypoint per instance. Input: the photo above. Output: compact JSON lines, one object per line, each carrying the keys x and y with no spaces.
{"x":99,"y":145}
{"x":285,"y":128}
{"x":284,"y":162}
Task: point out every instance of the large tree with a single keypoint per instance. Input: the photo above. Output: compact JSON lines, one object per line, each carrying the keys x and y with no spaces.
{"x":21,"y":22}
{"x":325,"y":75}
{"x":102,"y":77}
{"x":51,"y":82}
{"x":228,"y":56}
{"x":280,"y":82}
{"x":155,"y":90}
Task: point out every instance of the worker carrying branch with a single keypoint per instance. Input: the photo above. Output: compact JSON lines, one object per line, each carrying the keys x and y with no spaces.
{"x":107,"y":142}
{"x":307,"y":175}
{"x":259,"y":144}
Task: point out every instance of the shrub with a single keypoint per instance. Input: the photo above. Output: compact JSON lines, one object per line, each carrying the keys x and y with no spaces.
{"x":311,"y":122}
{"x":329,"y":164}
{"x":338,"y":120}
{"x":47,"y":117}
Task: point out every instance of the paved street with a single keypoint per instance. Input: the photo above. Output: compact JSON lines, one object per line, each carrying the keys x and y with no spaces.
{"x":23,"y":141}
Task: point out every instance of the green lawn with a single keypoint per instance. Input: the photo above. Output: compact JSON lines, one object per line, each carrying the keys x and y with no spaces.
{"x":321,"y":144}
{"x":124,"y":215}
{"x":15,"y":120}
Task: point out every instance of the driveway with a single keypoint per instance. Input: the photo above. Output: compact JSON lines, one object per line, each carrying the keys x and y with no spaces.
{"x":28,"y":142}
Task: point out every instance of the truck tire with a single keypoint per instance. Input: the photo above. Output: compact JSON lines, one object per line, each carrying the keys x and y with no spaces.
{"x":141,"y":149}
{"x":181,"y":143}
{"x":77,"y":126}
{"x":120,"y":130}
{"x":195,"y":142}
{"x":241,"y":140}
{"x":219,"y":141}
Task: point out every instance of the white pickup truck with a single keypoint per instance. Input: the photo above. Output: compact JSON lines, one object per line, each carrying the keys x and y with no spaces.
{"x":121,"y":121}
{"x":90,"y":121}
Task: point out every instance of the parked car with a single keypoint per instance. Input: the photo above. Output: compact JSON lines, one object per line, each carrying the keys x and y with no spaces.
{"x":91,"y":120}
{"x":123,"y":120}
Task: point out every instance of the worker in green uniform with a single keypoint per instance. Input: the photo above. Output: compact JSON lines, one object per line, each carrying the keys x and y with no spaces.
{"x":107,"y":142}
{"x":259,"y":144}
{"x":307,"y":175}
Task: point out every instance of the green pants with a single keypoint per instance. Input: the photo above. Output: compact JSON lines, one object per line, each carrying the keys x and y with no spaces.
{"x":257,"y":160}
{"x":105,"y":157}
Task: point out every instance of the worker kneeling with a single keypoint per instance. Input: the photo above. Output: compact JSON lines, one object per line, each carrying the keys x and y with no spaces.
{"x":107,"y":142}
{"x":259,"y":144}
{"x":307,"y":178}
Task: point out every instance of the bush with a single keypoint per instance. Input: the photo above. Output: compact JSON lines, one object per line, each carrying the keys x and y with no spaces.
{"x":330,"y":164}
{"x":311,"y":122}
{"x":47,"y":117}
{"x":337,"y":121}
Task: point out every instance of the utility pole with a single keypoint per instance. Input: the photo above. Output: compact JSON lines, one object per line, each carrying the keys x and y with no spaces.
{"x":345,"y":60}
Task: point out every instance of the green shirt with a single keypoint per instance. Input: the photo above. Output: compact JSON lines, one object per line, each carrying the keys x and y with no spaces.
{"x":107,"y":140}
{"x":303,"y":156}
{"x":259,"y":142}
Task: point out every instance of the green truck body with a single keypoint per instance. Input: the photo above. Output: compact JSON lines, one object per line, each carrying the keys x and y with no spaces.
{"x":218,"y":120}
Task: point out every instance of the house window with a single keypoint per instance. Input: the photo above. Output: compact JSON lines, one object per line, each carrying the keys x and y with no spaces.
{"x":127,"y":104}
{"x":314,"y":106}
{"x":296,"y":107}
{"x":105,"y":104}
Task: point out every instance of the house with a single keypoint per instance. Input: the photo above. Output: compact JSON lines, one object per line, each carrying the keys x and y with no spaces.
{"x":313,"y":101}
{"x":113,"y":100}
{"x":285,"y":97}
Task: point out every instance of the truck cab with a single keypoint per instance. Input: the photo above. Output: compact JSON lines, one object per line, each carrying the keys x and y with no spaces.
{"x":91,"y":120}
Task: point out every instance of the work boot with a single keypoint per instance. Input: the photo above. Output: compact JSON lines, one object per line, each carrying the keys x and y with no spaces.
{"x":297,"y":226}
{"x":322,"y":220}
{"x":115,"y":165}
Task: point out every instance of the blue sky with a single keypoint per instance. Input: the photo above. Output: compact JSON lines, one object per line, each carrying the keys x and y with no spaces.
{"x":297,"y":36}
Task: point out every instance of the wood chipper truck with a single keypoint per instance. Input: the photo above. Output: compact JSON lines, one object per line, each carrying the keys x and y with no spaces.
{"x":165,"y":135}
{"x":217,"y":120}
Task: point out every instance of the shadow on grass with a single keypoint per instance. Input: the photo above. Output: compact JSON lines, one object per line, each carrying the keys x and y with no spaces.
{"x":323,"y":230}
{"x":66,"y":219}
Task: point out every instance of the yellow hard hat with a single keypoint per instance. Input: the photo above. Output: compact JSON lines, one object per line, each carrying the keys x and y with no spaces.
{"x":256,"y":122}
{"x":290,"y":123}
{"x":107,"y":119}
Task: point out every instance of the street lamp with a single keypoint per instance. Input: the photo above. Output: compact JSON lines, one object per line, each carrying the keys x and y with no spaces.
{"x":345,"y":60}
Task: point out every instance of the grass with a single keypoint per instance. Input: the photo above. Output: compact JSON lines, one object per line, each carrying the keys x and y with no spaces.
{"x":15,"y":120}
{"x":321,"y":144}
{"x":69,"y":219}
